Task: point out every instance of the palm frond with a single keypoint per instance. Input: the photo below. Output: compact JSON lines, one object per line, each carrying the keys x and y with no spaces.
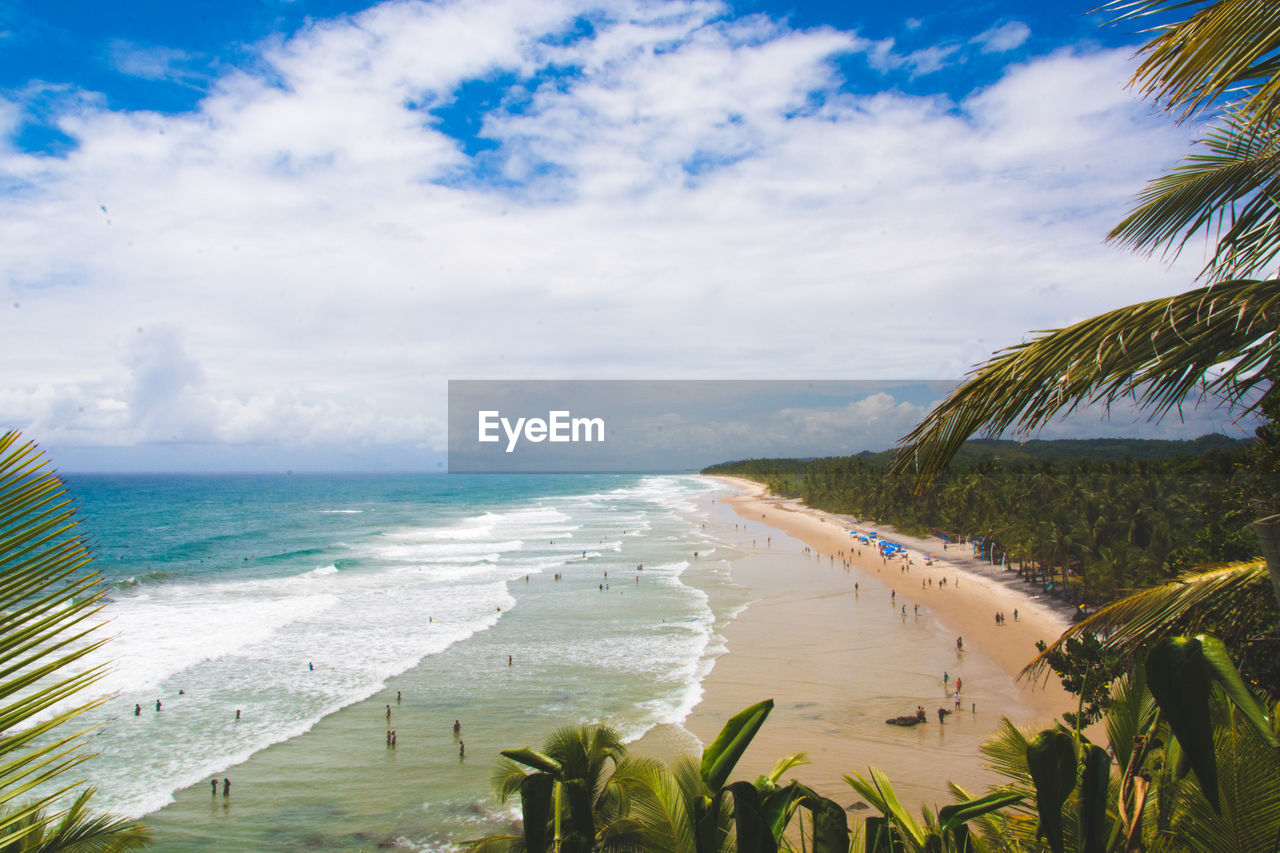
{"x":1228,"y":190}
{"x":878,"y":791}
{"x":496,"y":844}
{"x":1249,"y":787}
{"x":80,"y":830}
{"x":1229,"y":600}
{"x":48,"y":604}
{"x":1223,"y":48}
{"x":1157,"y":352}
{"x":787,"y":762}
{"x":505,"y":778}
{"x":1131,"y":713}
{"x":658,"y":803}
{"x":1006,"y":754}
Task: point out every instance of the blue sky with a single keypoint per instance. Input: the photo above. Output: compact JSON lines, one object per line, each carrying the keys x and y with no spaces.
{"x":239,"y":233}
{"x":166,"y":57}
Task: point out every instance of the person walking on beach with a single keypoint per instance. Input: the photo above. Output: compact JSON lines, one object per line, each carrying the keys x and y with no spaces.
{"x":157,"y":704}
{"x":1015,"y":614}
{"x":226,"y":787}
{"x":959,"y":644}
{"x":462,"y":749}
{"x":959,"y":684}
{"x":388,"y":715}
{"x":946,"y":679}
{"x":137,"y":710}
{"x":213,"y":783}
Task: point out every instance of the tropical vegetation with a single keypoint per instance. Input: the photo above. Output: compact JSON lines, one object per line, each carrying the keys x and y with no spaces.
{"x":570,"y":804}
{"x":1093,"y":529}
{"x":1191,"y":763}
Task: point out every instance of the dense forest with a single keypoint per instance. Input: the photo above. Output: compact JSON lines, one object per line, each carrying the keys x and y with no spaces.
{"x":1097,"y":517}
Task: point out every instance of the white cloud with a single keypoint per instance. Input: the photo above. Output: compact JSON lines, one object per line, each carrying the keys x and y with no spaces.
{"x":153,"y":62}
{"x":929,"y":59}
{"x":1004,"y":37}
{"x":691,"y":211}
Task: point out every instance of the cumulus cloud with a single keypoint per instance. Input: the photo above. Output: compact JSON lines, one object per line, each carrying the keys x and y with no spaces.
{"x":677,"y":194}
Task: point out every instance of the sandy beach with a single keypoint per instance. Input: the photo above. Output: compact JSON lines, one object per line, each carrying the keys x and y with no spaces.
{"x":840,"y":659}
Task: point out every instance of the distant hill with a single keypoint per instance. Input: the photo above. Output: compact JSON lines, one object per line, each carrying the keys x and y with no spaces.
{"x":1056,"y":450}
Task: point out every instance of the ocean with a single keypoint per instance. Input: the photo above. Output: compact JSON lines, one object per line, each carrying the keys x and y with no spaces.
{"x":286,"y":623}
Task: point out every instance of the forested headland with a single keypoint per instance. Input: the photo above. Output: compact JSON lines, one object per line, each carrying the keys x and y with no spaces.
{"x":1098,"y":517}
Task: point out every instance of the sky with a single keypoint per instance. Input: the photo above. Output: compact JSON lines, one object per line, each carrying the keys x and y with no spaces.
{"x":264,"y":236}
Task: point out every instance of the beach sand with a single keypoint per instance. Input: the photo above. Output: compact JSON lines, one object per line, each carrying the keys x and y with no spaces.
{"x":838,"y":663}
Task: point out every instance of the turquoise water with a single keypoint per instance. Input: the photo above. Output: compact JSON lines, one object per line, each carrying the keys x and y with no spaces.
{"x":305,"y":602}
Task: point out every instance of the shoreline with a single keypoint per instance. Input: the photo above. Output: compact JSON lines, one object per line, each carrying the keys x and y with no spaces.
{"x":1012,"y":644}
{"x":823,"y":651}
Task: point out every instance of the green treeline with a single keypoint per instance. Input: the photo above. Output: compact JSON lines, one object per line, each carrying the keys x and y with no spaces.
{"x":1053,"y":510}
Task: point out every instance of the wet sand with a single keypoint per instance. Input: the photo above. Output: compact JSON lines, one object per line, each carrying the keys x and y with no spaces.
{"x":838,"y":662}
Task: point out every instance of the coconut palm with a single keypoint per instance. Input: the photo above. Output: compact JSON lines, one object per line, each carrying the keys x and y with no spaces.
{"x":567,"y":795}
{"x":1158,"y":353}
{"x":1222,"y":338}
{"x":49,"y":604}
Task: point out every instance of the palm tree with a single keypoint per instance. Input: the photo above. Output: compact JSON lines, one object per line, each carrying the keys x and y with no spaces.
{"x":1219,"y":59}
{"x":569,"y":801}
{"x":1144,"y":799}
{"x":647,"y":805}
{"x":1222,"y":338}
{"x":49,"y":600}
